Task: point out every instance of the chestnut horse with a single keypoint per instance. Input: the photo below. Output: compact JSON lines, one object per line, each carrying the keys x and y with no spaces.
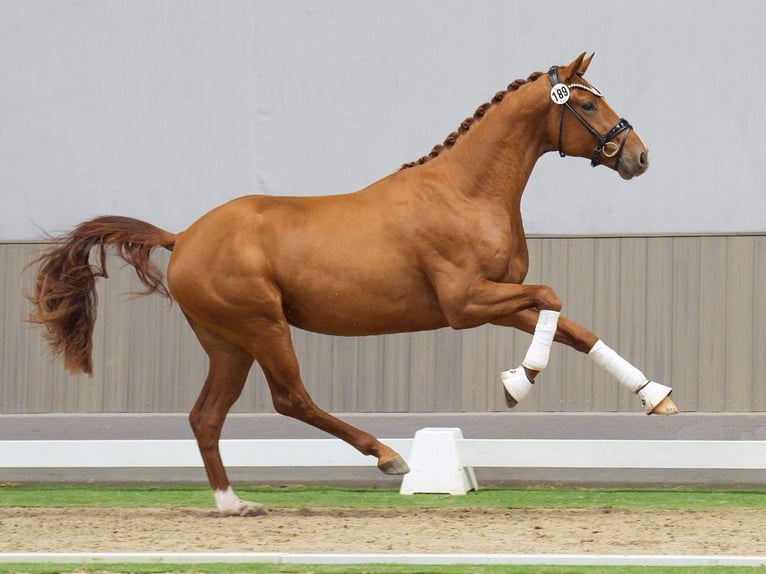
{"x":438,"y":243}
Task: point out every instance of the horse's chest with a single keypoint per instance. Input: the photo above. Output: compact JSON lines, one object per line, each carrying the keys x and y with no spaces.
{"x":518,"y":265}
{"x":508,"y":266}
{"x":504,"y":258}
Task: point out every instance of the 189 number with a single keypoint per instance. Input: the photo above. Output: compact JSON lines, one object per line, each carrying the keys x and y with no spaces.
{"x":560,"y":94}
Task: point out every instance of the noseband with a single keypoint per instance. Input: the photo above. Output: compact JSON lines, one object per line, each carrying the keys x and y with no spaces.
{"x":605,"y":145}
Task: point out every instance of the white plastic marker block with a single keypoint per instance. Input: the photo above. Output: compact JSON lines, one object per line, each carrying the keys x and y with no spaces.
{"x":435,"y":465}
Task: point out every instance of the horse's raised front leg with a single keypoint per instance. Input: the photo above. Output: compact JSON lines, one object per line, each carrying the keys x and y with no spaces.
{"x":517,"y":382}
{"x":274,"y":352}
{"x":485,"y":301}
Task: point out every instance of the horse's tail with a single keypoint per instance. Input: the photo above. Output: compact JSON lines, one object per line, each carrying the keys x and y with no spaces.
{"x":65,"y":296}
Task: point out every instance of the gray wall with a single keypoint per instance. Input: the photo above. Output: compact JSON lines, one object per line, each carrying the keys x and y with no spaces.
{"x":686,"y":310}
{"x":162,"y":110}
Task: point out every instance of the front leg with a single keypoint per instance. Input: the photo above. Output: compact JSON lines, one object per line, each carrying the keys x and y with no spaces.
{"x":654,"y":396}
{"x":534,"y":309}
{"x":485,"y":301}
{"x":470,"y":304}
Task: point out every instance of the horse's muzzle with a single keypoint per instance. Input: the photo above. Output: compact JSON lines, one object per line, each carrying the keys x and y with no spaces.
{"x":633,"y":162}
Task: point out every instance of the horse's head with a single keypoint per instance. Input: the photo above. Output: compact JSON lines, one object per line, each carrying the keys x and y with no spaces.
{"x":584,"y":125}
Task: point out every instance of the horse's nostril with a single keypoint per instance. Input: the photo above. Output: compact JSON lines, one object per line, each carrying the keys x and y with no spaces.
{"x":642,"y":159}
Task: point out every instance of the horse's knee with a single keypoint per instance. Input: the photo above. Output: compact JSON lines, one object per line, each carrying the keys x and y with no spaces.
{"x":546,"y":298}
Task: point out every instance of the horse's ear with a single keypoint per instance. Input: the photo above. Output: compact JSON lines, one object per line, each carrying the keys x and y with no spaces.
{"x":584,"y":65}
{"x":573,"y":69}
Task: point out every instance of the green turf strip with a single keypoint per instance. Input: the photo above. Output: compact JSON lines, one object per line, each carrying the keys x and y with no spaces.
{"x":303,"y":496}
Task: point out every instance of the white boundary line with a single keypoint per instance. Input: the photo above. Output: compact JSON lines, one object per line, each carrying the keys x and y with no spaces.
{"x":439,"y":559}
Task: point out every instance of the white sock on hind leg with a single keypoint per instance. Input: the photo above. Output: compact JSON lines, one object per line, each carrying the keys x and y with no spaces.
{"x":227,"y":502}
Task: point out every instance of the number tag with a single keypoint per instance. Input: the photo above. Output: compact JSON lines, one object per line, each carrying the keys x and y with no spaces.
{"x":560,"y":94}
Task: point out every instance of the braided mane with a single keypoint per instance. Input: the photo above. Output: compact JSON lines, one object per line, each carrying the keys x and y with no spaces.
{"x":468,"y":122}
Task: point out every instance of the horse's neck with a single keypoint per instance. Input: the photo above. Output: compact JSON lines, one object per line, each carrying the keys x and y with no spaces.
{"x":495,"y":158}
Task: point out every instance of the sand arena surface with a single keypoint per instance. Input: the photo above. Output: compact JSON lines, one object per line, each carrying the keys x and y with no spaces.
{"x":599,"y":530}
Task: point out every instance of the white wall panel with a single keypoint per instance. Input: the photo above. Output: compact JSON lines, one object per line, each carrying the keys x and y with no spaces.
{"x":162,"y":110}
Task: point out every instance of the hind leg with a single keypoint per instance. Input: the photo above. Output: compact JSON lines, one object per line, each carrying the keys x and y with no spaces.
{"x":229,"y":366}
{"x":272,"y":348}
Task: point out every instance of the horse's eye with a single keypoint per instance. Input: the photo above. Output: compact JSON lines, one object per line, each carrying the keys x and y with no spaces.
{"x":589,"y":106}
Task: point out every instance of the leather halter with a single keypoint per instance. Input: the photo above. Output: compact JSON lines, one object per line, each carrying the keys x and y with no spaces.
{"x":603,"y":141}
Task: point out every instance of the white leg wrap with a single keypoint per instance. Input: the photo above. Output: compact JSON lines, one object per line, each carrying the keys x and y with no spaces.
{"x":625,"y":373}
{"x":650,"y":393}
{"x":539,"y":350}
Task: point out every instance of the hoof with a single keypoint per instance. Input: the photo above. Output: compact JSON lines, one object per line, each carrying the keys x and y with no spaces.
{"x":516,"y":386}
{"x":510,"y":402}
{"x":656,"y":399}
{"x":229,"y":504}
{"x":246,"y":508}
{"x":666,"y":407}
{"x":395,"y":466}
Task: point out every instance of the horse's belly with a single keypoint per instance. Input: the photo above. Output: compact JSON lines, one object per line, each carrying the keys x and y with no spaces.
{"x":350,"y":312}
{"x":369,"y":323}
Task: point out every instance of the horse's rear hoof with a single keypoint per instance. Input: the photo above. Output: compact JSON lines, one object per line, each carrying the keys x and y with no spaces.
{"x":666,"y":407}
{"x":246,"y":509}
{"x":395,"y":466}
{"x":253,"y":509}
